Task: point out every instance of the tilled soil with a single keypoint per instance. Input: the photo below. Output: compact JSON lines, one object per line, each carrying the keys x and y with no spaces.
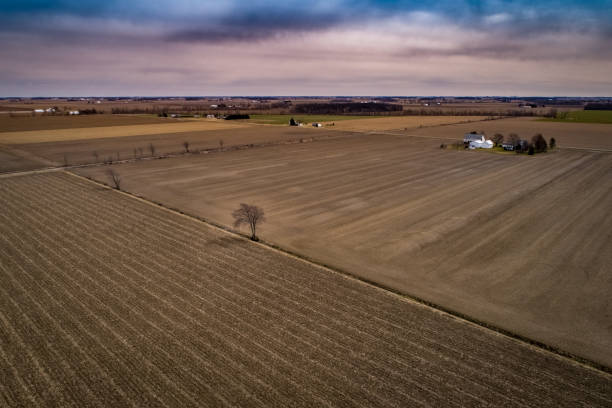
{"x":520,"y":242}
{"x":108,"y":301}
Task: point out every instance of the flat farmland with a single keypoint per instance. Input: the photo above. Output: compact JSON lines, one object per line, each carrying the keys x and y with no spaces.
{"x":400,"y":122}
{"x":520,"y":242}
{"x":23,"y":123}
{"x":567,"y":135}
{"x":88,"y":150}
{"x":99,"y":132}
{"x":110,"y":301}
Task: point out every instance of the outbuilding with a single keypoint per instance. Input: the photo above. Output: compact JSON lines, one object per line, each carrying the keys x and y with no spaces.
{"x":476,"y":141}
{"x":508,"y":146}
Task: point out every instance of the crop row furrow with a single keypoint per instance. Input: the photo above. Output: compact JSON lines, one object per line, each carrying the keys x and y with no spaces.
{"x":103,"y":243}
{"x":68,"y":309}
{"x":322,"y":316}
{"x":128,"y":310}
{"x":248,"y":371}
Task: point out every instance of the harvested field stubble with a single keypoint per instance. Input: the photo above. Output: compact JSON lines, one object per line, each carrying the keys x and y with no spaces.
{"x":519,"y":242}
{"x":401,"y":122}
{"x":58,"y":135}
{"x":108,"y":301}
{"x":82,"y":151}
{"x":50,"y":122}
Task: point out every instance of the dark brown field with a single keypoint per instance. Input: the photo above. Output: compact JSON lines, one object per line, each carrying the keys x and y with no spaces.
{"x":108,"y":301}
{"x":24,"y":123}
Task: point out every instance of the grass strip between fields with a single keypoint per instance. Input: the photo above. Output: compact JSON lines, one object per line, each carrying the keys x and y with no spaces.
{"x":416,"y":300}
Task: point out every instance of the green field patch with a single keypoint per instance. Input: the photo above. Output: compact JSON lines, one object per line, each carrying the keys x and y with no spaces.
{"x":583,"y":116}
{"x":306,"y":119}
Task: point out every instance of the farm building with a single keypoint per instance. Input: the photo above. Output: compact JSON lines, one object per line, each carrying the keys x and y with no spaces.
{"x":476,"y":141}
{"x":508,"y":146}
{"x":317,"y":124}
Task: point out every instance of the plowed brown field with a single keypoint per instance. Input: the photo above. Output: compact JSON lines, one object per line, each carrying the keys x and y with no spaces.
{"x":400,"y":122}
{"x":29,"y":123}
{"x":109,"y":301}
{"x":567,"y":135}
{"x":81,"y":151}
{"x":521,"y":242}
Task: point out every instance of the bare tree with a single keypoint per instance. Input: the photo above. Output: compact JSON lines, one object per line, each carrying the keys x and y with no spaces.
{"x":553,"y":143}
{"x":251,"y":215}
{"x":135,"y":153}
{"x":140,"y":151}
{"x":96,"y":156}
{"x":65,"y":160}
{"x":152,"y":149}
{"x":115,"y":178}
{"x":539,"y":143}
{"x":497,"y":138}
{"x":513,"y":138}
{"x":186,"y":146}
{"x":221,"y":143}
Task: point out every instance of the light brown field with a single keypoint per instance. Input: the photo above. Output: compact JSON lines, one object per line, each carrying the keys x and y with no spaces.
{"x":21,"y":123}
{"x":109,"y":301}
{"x":121,"y":148}
{"x":521,"y":242}
{"x":58,"y":135}
{"x":400,"y":122}
{"x":567,"y":135}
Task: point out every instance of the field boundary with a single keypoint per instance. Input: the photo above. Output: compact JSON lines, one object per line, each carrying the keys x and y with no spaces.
{"x":535,"y":344}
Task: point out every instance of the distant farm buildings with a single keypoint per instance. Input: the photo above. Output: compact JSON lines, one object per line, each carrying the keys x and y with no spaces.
{"x":317,"y":124}
{"x":477,"y":141}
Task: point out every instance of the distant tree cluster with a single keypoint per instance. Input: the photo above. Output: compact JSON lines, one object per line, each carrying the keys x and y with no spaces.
{"x":537,"y":144}
{"x":91,"y":111}
{"x":598,"y":106}
{"x":237,"y":116}
{"x":345,"y":108}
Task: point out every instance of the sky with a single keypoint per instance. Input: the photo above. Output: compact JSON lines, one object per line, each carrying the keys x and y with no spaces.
{"x":299,"y":47}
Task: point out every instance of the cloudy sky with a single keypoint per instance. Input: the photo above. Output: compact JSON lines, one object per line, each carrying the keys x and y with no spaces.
{"x":299,"y":47}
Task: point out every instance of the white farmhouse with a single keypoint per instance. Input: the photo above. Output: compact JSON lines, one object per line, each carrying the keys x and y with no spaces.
{"x":477,"y":141}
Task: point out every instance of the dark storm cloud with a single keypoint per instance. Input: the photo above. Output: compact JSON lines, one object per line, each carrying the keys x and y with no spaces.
{"x":209,"y":21}
{"x":303,"y":47}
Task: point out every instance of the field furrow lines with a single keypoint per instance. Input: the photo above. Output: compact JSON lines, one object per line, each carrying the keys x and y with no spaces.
{"x":128,"y":311}
{"x":323,"y":367}
{"x":200,"y":317}
{"x":101,"y":361}
{"x":244,"y":354}
{"x":332,"y":330}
